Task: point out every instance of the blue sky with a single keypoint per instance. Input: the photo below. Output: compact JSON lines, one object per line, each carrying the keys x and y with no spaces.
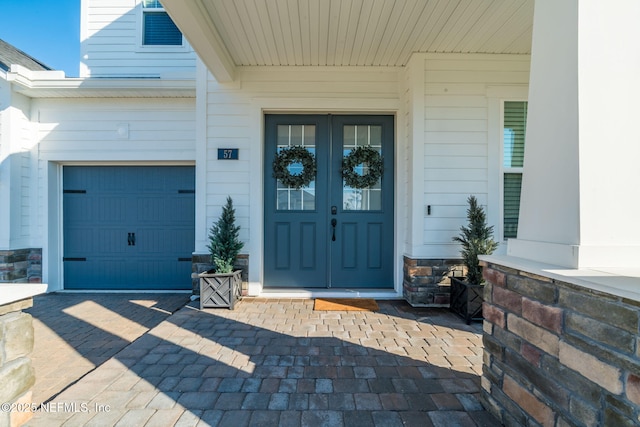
{"x":48,"y":30}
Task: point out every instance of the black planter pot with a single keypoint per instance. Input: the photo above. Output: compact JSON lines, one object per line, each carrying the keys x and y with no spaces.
{"x":466,"y":300}
{"x":220,"y":290}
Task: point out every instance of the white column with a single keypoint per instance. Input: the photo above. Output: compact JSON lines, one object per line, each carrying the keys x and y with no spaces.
{"x":202,"y":229}
{"x":5,"y":167}
{"x":581,"y":187}
{"x":415,"y":106}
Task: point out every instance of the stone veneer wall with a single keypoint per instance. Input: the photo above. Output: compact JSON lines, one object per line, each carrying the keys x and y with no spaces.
{"x":16,"y":373}
{"x":202,"y":262}
{"x":21,"y":265}
{"x":557,"y":354}
{"x":427,"y":282}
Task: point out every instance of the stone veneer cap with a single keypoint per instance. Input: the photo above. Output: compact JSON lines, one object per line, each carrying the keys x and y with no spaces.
{"x":12,"y":292}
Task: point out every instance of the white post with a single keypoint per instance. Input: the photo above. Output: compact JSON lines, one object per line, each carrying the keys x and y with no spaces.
{"x":581,"y":184}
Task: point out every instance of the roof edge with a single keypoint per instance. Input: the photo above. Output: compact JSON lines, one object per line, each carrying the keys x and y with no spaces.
{"x":54,"y":84}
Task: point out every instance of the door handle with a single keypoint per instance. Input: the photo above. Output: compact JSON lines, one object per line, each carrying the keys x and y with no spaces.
{"x":334,"y":222}
{"x":131,"y":239}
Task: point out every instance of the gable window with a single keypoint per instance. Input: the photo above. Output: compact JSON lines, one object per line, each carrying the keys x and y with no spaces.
{"x":514,"y":129}
{"x":157,"y":27}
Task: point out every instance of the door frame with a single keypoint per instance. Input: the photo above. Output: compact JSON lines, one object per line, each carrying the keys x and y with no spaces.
{"x":53,"y":232}
{"x":135,"y":224}
{"x":360,"y":106}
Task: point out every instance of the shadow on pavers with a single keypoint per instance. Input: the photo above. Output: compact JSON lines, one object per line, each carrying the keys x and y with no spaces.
{"x":256,"y":366}
{"x":76,"y":332}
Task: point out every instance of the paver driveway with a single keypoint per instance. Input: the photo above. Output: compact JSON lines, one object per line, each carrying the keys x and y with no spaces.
{"x":277,"y":362}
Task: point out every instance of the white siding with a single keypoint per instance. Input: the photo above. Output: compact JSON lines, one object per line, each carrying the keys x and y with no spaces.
{"x":441,"y":104}
{"x":234,"y":120}
{"x":5,"y":208}
{"x":111,"y":44}
{"x":16,"y":189}
{"x":86,"y":131}
{"x":24,"y":144}
{"x":456,"y":140}
{"x":140,"y":130}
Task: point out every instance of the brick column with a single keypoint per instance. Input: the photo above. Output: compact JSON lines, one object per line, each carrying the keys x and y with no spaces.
{"x":558,"y":354}
{"x":427,"y":282}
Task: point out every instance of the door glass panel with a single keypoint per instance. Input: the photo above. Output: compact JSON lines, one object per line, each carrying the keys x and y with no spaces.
{"x":288,"y":198}
{"x":362,"y":199}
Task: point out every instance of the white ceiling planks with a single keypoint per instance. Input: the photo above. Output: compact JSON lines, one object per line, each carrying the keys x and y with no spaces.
{"x":364,"y":32}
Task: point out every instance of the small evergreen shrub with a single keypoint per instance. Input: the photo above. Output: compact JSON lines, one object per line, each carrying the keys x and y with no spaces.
{"x":224,"y":244}
{"x":476,"y":239}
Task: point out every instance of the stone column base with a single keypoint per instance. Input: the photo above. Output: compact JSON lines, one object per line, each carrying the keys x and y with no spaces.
{"x":16,"y":373}
{"x":427,"y":282}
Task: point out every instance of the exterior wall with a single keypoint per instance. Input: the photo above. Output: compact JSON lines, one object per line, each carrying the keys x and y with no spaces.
{"x":444,"y":106}
{"x":16,"y":188}
{"x":116,"y":129}
{"x":233,"y":118}
{"x":453,"y":151}
{"x":16,"y":373}
{"x":111,"y":44}
{"x":558,"y":354}
{"x":101,"y":131}
{"x":457,"y":128}
{"x":5,"y":208}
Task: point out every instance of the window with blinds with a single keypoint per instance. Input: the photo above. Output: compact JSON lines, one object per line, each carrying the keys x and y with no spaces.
{"x":157,"y":27}
{"x":514,"y":130}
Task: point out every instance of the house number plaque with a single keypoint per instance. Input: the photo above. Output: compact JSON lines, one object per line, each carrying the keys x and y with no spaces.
{"x":227,"y":154}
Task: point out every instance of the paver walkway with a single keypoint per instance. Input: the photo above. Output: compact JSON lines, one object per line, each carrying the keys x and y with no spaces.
{"x":74,"y":333}
{"x":280,"y":363}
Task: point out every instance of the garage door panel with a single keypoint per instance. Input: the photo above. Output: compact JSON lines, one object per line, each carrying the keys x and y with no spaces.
{"x":131,"y":225}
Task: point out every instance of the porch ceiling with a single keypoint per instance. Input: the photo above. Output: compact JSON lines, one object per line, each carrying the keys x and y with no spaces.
{"x":232,"y":33}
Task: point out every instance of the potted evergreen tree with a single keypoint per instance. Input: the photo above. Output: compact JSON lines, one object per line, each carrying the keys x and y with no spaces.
{"x":222,"y":286}
{"x":475,"y":239}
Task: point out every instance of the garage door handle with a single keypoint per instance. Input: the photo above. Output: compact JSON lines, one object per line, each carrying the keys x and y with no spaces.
{"x":131,"y":239}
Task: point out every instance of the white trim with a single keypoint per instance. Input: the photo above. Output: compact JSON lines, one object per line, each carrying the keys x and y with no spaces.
{"x":329,"y":293}
{"x":201,"y":112}
{"x":83,"y":68}
{"x":53,"y":84}
{"x":496,"y":97}
{"x":53,"y":250}
{"x":140,"y":46}
{"x":621,"y":282}
{"x":417,"y":112}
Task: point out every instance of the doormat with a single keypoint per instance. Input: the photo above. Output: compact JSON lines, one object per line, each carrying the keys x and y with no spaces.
{"x":345,"y":304}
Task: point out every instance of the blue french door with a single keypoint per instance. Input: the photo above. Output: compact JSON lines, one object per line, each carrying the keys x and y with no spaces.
{"x":327,"y":234}
{"x":128,"y":227}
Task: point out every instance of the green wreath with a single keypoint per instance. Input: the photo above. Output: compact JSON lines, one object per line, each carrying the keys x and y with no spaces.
{"x":287,"y":157}
{"x":359,"y":155}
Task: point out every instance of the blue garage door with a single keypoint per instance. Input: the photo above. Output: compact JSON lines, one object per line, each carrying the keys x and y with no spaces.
{"x":128,"y":227}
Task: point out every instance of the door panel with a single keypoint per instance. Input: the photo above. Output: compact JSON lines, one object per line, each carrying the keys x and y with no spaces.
{"x":128,"y":227}
{"x":302,"y":247}
{"x":365,"y":256}
{"x":295,"y":250}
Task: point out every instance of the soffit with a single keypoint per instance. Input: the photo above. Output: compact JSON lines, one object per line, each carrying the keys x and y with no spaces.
{"x":348,"y":32}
